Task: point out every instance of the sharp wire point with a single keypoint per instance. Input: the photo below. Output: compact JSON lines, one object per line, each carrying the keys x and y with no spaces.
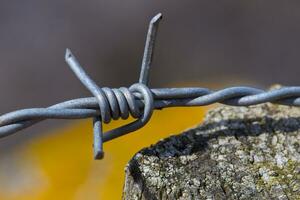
{"x":156,"y":18}
{"x":137,"y":101}
{"x":68,"y":53}
{"x":149,"y":49}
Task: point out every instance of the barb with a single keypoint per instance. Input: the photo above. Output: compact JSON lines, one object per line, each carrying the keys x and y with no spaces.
{"x":138,"y":100}
{"x":149,"y":49}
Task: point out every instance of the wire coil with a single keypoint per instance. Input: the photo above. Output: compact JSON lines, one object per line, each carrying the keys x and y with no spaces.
{"x":137,"y":101}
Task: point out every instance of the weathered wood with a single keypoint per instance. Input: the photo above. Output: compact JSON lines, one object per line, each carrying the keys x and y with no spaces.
{"x":237,"y":153}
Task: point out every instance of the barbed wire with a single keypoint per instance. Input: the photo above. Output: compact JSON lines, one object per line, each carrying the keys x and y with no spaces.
{"x":137,"y":101}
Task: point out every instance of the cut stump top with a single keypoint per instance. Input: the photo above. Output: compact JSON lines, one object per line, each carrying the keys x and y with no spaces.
{"x":237,"y":153}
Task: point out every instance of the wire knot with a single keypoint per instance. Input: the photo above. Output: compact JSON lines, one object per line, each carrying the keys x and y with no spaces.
{"x":137,"y":101}
{"x":121,"y":102}
{"x":128,"y":104}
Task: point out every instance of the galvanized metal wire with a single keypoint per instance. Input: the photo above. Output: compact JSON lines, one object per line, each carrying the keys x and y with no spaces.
{"x":137,"y":101}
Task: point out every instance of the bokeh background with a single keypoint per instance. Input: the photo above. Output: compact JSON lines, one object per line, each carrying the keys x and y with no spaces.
{"x":200,"y":43}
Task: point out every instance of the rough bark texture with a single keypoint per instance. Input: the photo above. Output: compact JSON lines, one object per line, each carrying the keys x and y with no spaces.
{"x":237,"y":153}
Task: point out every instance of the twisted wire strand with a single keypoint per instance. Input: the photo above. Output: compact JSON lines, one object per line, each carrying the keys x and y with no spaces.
{"x":137,"y":101}
{"x":82,"y":108}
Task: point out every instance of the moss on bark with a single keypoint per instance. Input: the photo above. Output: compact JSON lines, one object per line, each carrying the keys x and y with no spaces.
{"x":237,"y":153}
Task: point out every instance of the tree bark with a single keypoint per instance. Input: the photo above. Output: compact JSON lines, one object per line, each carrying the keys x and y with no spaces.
{"x":237,"y":153}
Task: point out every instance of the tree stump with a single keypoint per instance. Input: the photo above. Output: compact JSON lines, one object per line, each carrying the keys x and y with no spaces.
{"x":237,"y":153}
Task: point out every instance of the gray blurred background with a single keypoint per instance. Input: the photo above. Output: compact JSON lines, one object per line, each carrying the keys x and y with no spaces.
{"x":208,"y":43}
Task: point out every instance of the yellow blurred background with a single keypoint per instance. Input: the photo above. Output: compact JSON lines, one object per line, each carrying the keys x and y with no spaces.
{"x":61,"y":165}
{"x":212,"y":43}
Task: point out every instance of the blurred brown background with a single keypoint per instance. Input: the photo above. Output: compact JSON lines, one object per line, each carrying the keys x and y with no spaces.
{"x":206,"y":42}
{"x":211,"y":44}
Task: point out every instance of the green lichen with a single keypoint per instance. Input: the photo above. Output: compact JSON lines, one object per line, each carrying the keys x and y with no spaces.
{"x":286,"y":178}
{"x":237,"y":153}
